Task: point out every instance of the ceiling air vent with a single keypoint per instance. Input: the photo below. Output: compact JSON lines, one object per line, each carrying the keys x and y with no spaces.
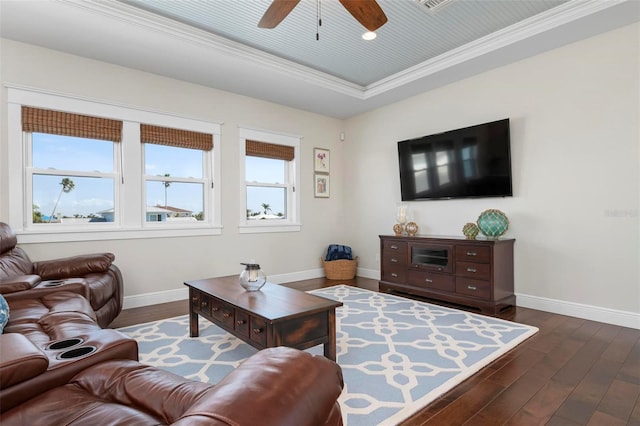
{"x":434,"y":5}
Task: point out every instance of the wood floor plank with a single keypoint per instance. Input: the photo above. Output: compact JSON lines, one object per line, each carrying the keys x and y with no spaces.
{"x":567,"y":366}
{"x":620,"y":400}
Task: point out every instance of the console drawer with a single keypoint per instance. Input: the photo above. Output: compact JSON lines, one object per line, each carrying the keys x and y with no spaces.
{"x":479,"y":271}
{"x":473,"y":253}
{"x":394,"y":274}
{"x":475,"y":288}
{"x":432,"y":281}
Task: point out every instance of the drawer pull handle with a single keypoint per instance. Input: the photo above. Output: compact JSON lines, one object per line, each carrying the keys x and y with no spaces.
{"x":472,"y":287}
{"x":240,"y":322}
{"x":194,"y":298}
{"x":429,"y":280}
{"x":203,"y":304}
{"x":394,"y":247}
{"x":394,"y":260}
{"x":474,"y":270}
{"x":226,"y":315}
{"x":215,"y":309}
{"x":257,"y":330}
{"x":439,"y":269}
{"x":394,"y":275}
{"x":472,"y":253}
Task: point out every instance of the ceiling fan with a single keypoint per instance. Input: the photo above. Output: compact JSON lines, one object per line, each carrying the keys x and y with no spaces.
{"x":367,"y":12}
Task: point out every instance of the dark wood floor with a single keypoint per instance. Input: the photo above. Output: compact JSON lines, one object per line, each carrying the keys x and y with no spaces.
{"x":572,"y":372}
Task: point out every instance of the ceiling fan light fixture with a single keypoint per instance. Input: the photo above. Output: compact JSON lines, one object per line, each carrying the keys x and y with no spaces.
{"x":369,"y":35}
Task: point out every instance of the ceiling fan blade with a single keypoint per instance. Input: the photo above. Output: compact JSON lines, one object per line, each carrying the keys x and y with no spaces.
{"x":367,"y":12}
{"x":278,"y":10}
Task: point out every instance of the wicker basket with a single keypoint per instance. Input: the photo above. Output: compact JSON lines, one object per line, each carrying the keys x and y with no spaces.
{"x":342,"y":269}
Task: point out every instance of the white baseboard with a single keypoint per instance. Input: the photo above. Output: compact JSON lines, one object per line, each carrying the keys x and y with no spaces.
{"x":589,"y":312}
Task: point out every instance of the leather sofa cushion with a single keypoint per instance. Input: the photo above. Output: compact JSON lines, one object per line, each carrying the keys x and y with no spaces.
{"x":76,"y":266}
{"x":53,"y":316}
{"x":21,"y":360}
{"x":15,"y":262}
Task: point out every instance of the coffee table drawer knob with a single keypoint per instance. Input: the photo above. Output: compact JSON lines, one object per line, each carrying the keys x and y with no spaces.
{"x":257,"y":330}
{"x":215,"y":309}
{"x":240,"y":322}
{"x":226,"y":314}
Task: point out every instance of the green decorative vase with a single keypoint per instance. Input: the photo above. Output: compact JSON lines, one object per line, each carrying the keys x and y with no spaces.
{"x":493,"y":223}
{"x":470,"y":230}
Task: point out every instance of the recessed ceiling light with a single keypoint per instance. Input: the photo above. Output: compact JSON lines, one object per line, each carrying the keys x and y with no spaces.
{"x":369,"y":35}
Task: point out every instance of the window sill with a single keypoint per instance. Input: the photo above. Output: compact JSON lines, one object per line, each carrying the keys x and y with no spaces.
{"x":69,"y":235}
{"x":262,"y":227}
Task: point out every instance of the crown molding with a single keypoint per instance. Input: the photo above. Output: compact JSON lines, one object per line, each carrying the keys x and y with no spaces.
{"x":549,"y":20}
{"x":538,"y":24}
{"x":149,"y":21}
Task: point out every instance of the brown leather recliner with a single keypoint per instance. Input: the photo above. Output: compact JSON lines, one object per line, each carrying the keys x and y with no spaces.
{"x":96,"y":272}
{"x":275,"y":387}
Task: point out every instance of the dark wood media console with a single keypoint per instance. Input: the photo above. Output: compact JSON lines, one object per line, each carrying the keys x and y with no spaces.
{"x":473,"y":273}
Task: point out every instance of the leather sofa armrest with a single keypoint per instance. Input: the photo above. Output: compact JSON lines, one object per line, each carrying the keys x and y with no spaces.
{"x":18,"y":283}
{"x":277,"y":386}
{"x":75,"y":266}
{"x":20,"y":360}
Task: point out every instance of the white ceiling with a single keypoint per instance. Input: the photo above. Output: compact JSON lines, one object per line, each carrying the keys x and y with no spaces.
{"x":217,"y":43}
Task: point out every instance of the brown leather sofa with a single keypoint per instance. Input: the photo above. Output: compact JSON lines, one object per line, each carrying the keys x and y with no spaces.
{"x":96,"y":272}
{"x":51,"y":336}
{"x":276,"y":387}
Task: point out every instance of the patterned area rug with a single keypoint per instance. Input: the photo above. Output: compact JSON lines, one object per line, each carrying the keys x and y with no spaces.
{"x":397,"y":354}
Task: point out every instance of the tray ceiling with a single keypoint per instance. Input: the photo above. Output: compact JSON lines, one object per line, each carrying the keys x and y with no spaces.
{"x":217,"y":42}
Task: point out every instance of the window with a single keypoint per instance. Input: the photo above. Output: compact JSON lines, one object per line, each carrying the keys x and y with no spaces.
{"x":70,"y":167}
{"x":85,"y":170}
{"x":269,"y":178}
{"x":175,"y":162}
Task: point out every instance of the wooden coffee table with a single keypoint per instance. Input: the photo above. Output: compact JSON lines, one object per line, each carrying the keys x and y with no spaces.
{"x":273,"y":316}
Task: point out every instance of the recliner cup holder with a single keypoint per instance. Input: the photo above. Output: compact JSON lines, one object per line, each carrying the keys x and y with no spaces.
{"x":53,"y":283}
{"x":77,"y":352}
{"x":66,"y":343}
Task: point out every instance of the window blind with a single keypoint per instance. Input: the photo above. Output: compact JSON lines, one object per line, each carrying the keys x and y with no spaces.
{"x":40,"y":120}
{"x":269,"y":150}
{"x":175,"y":137}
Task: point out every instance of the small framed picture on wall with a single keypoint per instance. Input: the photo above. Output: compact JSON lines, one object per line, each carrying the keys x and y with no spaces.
{"x":321,"y":186}
{"x":321,"y":159}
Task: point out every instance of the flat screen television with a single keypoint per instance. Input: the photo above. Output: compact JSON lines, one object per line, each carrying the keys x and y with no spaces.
{"x":472,"y":162}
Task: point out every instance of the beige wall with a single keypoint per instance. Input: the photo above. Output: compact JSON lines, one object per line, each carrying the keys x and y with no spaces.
{"x":575,"y":135}
{"x":575,"y":145}
{"x":155,"y":265}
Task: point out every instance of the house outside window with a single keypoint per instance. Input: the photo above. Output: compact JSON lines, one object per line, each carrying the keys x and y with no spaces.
{"x":269,"y":181}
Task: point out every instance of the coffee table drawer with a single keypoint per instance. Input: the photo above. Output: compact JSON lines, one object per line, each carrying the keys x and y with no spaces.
{"x":241,"y":325}
{"x":227,"y":315}
{"x":258,"y":331}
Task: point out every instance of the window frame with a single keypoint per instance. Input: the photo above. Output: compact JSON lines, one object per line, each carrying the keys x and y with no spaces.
{"x":292,"y":223}
{"x":129,"y":186}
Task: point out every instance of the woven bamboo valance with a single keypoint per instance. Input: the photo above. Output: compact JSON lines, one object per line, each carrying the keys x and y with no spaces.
{"x":176,"y":137}
{"x":40,"y":120}
{"x":269,"y":150}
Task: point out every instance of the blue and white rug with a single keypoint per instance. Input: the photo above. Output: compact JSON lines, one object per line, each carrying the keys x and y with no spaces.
{"x":397,"y":354}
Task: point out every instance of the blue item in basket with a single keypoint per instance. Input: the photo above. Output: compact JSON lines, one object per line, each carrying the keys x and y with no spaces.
{"x":336,"y":252}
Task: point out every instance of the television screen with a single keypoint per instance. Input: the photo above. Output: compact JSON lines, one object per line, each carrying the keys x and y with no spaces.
{"x":464,"y":163}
